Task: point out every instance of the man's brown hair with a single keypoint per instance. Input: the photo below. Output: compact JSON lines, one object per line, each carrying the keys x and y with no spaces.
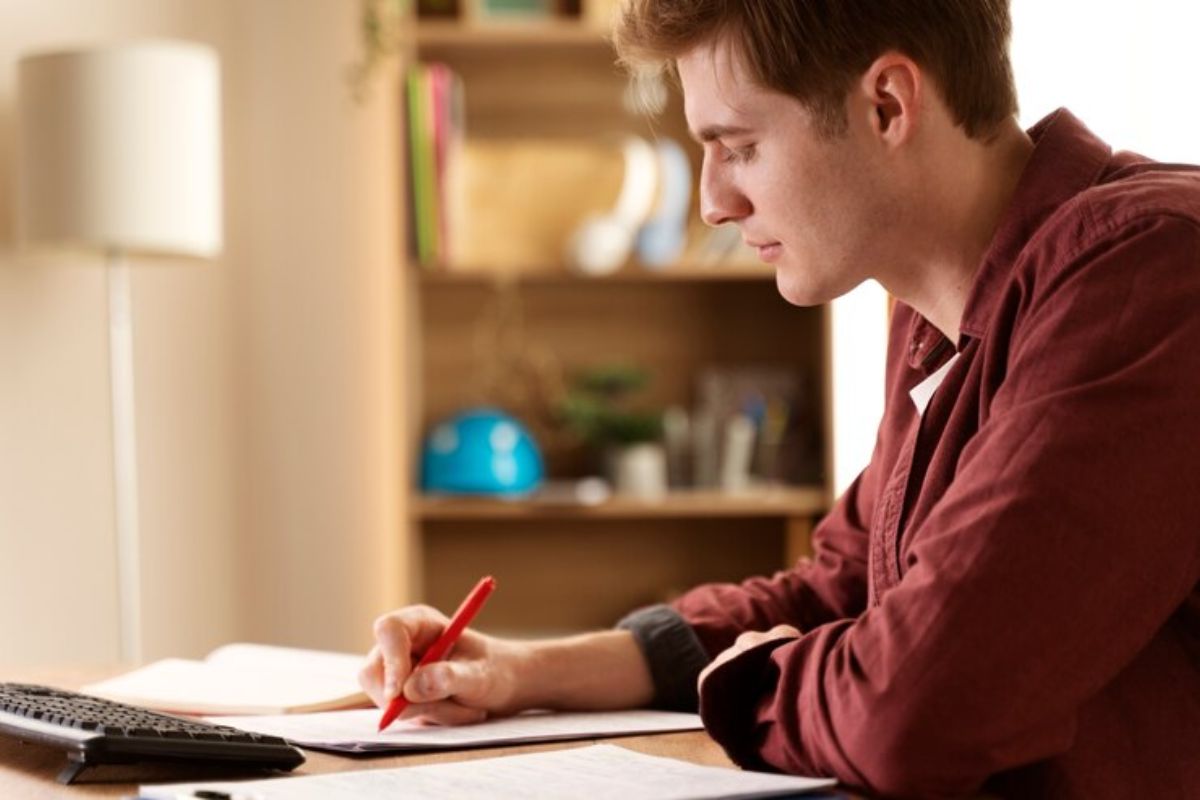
{"x":814,"y":49}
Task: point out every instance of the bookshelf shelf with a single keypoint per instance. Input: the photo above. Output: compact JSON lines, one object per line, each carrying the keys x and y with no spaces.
{"x":634,"y":275}
{"x":442,"y":34}
{"x":774,"y":502}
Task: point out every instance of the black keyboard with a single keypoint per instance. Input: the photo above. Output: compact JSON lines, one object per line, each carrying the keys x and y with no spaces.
{"x":94,"y":731}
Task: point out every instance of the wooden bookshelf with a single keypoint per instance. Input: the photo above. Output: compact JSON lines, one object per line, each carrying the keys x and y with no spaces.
{"x":558,"y":81}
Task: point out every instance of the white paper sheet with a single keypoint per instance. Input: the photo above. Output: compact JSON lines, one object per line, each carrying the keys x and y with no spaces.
{"x":355,"y":731}
{"x":598,"y":772}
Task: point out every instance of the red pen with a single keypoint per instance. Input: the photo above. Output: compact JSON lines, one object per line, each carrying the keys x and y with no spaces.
{"x":461,"y":619}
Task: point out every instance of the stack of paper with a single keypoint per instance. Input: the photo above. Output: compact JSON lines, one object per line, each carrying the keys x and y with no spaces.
{"x":355,"y":731}
{"x":600,"y":772}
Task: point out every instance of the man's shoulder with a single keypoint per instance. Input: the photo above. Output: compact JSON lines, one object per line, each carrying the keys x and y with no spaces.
{"x":1134,"y":198}
{"x":1137,"y":189}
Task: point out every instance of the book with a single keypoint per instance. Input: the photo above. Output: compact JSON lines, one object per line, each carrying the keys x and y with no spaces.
{"x":242,"y":679}
{"x":356,"y":731}
{"x":434,"y":131}
{"x":597,"y":771}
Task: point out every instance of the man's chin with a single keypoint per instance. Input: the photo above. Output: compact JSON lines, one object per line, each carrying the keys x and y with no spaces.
{"x":800,"y":292}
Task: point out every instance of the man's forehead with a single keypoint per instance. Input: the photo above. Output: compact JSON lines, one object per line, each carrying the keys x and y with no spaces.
{"x":719,"y":97}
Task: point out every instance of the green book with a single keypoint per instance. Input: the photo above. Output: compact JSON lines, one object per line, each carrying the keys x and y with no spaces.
{"x":422,"y":177}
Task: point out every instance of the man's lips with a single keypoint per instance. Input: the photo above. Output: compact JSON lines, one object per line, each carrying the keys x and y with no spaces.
{"x":767,"y":251}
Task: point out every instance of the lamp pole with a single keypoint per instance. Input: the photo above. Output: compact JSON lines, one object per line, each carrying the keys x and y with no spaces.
{"x":125,"y":473}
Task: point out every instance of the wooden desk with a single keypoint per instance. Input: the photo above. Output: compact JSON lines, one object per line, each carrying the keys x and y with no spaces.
{"x":28,"y":771}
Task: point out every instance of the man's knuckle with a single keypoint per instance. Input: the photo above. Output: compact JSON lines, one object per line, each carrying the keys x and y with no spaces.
{"x":385,"y":625}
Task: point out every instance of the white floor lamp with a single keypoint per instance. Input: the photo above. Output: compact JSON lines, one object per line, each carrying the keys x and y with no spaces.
{"x":119,"y":153}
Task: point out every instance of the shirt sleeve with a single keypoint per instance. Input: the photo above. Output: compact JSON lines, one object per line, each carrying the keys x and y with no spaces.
{"x":1065,"y":542}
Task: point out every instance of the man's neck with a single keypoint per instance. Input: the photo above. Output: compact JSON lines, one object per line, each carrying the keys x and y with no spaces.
{"x":962,"y":201}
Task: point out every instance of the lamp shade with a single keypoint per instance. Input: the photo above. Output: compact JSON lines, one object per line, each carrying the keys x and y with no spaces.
{"x":120,"y":148}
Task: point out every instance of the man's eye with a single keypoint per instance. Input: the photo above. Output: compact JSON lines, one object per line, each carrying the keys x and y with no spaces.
{"x":739,"y":155}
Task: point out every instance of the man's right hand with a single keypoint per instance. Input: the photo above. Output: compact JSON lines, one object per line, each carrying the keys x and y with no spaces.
{"x":477,"y":679}
{"x":485,"y":676}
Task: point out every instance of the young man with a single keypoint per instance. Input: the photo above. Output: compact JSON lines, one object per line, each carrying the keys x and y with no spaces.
{"x":1007,"y":597}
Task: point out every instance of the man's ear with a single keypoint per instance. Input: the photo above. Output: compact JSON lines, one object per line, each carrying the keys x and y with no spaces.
{"x":893,"y":88}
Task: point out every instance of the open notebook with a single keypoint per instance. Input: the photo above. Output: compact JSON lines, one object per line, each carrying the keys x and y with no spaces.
{"x":242,"y":679}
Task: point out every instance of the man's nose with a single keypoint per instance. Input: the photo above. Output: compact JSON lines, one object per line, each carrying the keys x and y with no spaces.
{"x":720,"y":200}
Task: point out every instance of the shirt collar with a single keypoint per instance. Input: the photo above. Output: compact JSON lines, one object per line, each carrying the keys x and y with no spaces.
{"x":1066,"y":159}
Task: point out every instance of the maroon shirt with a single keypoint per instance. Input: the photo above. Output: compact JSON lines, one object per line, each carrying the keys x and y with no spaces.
{"x":1007,"y":598}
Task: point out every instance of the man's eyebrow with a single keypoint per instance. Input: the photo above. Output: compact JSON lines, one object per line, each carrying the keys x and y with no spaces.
{"x":713,"y":132}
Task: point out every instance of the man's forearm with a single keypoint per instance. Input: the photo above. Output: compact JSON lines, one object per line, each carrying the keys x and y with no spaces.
{"x":592,"y":671}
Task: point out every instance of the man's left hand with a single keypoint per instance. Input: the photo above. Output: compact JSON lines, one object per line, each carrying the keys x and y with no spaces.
{"x":746,"y":641}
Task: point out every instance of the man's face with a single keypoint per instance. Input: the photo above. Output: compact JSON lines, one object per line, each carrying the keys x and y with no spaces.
{"x":813,"y":205}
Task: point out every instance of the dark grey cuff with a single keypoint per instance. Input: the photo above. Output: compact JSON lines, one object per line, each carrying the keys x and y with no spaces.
{"x":673,"y":652}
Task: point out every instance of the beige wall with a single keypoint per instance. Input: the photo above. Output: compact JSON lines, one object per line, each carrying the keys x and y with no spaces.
{"x":266,"y":380}
{"x":319,"y":306}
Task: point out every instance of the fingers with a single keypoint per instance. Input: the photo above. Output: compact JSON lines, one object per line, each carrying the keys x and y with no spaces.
{"x":394,"y":644}
{"x":397,"y":636}
{"x":466,"y":682}
{"x":751,"y":638}
{"x":450,"y":692}
{"x":748,"y":639}
{"x":370,"y":677}
{"x":439,"y":693}
{"x":744,"y":642}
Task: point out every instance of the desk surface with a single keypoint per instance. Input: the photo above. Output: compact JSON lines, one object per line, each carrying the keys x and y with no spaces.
{"x":28,"y":771}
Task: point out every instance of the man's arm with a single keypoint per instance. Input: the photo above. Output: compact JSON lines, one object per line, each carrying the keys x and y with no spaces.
{"x":591,"y":671}
{"x":1037,"y":578}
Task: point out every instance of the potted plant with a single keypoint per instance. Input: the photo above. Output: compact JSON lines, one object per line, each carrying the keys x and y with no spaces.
{"x":600,"y":409}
